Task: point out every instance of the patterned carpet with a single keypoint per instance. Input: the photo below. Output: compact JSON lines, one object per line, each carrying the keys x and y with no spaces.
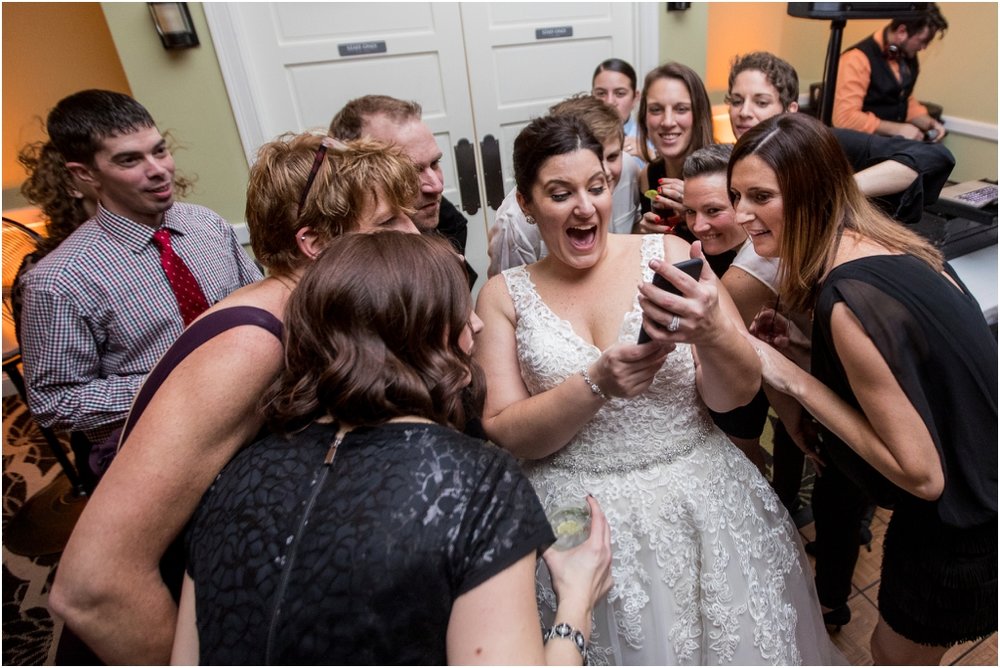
{"x":30,"y":472}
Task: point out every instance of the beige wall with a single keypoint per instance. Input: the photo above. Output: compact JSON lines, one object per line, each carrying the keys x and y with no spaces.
{"x":185,"y":93}
{"x":682,"y":36}
{"x":958,"y":72}
{"x":50,"y":50}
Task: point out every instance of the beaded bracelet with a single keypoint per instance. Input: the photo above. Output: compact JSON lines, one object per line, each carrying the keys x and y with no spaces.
{"x":566,"y":631}
{"x":594,"y":387}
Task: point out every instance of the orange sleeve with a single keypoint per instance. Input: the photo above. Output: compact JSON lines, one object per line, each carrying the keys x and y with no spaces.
{"x":853,"y":76}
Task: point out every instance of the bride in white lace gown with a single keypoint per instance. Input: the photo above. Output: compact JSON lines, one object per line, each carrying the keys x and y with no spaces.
{"x":708,"y":568}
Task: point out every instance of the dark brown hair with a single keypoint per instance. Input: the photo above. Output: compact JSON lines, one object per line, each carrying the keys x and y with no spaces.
{"x":616,"y":65}
{"x":701,"y":107}
{"x":546,"y":137}
{"x":778,"y":72}
{"x":79,"y":123}
{"x":820,"y":199}
{"x":372,"y":333}
{"x":349,"y":180}
{"x":930,"y":18}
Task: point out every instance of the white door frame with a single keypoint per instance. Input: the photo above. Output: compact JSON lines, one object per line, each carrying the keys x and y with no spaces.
{"x":233,"y":54}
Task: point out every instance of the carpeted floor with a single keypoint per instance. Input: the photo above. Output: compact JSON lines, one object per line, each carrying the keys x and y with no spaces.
{"x":30,"y":472}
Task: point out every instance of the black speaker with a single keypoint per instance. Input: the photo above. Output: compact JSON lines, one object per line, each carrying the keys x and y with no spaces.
{"x":856,"y":10}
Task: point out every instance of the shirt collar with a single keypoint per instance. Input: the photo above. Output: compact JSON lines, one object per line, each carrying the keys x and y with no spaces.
{"x":136,"y":236}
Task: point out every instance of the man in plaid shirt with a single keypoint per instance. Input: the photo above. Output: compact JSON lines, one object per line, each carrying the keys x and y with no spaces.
{"x":99,"y":310}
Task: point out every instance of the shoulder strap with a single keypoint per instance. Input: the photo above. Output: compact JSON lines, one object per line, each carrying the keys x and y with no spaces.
{"x":190,"y":340}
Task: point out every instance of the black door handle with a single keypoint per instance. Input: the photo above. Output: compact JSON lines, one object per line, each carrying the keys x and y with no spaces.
{"x":492,"y":171}
{"x":468,"y":180}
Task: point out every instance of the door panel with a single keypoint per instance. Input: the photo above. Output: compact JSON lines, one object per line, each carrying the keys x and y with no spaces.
{"x":528,"y":56}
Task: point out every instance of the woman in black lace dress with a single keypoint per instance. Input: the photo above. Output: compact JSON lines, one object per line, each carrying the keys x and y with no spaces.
{"x":367,"y":529}
{"x":904,"y":379}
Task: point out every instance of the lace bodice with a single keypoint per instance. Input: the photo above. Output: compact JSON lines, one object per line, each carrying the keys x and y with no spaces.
{"x":666,"y":421}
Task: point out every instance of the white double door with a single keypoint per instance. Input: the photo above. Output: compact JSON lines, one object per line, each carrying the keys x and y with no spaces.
{"x":480,"y":71}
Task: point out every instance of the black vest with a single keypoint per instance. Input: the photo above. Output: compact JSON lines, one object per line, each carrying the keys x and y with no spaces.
{"x":887,"y":97}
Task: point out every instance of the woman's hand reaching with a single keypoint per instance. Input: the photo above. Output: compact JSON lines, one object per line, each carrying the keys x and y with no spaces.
{"x":780,"y":332}
{"x":582,"y":575}
{"x":778,"y":371}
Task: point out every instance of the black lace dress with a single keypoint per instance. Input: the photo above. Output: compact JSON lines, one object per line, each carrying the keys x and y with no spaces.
{"x":358,"y":562}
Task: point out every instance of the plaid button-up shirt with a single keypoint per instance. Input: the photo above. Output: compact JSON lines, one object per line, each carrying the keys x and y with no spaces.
{"x":99,"y":312}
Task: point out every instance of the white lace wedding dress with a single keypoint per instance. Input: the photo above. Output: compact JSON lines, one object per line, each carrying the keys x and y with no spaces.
{"x":708,"y":567}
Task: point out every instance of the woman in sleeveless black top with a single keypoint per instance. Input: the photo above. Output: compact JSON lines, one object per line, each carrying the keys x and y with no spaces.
{"x":675,"y":115}
{"x":904,"y":380}
{"x":367,"y":530}
{"x":199,"y":404}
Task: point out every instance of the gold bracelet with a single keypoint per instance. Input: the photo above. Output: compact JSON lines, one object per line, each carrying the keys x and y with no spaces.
{"x":594,"y":387}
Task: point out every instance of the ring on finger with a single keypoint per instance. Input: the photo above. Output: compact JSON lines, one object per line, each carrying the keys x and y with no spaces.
{"x":675,"y":324}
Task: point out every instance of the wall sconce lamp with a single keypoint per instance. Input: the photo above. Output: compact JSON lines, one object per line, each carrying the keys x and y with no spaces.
{"x":174,"y":24}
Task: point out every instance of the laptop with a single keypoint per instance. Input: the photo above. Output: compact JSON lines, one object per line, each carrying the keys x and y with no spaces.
{"x":976,"y":194}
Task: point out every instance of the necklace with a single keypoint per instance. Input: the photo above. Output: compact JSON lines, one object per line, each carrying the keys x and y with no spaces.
{"x":281,"y":282}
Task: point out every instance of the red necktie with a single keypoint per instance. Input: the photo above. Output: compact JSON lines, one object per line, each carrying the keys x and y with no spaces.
{"x":190,"y":299}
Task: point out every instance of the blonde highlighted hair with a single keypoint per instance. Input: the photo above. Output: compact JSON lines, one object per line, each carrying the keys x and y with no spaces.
{"x":350,"y":179}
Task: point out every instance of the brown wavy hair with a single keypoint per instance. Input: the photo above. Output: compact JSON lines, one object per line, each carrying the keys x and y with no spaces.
{"x":372,"y":333}
{"x":701,"y":107}
{"x":350,"y":178}
{"x":51,"y":188}
{"x":821,"y":199}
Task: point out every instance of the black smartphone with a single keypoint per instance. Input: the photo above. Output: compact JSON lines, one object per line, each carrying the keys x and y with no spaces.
{"x":690,"y":267}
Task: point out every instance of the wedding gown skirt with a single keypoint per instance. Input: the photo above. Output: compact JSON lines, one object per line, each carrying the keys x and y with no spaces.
{"x":708,"y":567}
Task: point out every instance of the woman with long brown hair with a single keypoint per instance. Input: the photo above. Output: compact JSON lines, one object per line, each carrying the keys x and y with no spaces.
{"x":903,"y":379}
{"x":675,"y":116}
